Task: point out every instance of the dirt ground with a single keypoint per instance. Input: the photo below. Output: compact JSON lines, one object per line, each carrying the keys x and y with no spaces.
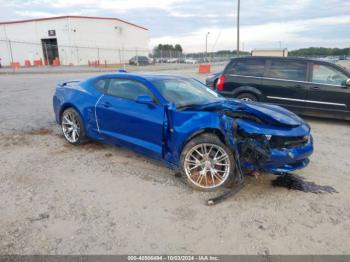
{"x":97,"y":199}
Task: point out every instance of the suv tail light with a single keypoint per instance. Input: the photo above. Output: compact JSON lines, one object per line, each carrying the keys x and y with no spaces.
{"x":220,"y":83}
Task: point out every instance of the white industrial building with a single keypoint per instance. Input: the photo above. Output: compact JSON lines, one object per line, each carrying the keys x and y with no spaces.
{"x":73,"y":40}
{"x":281,"y":52}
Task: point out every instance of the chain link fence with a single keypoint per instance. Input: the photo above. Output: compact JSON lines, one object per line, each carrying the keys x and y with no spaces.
{"x":40,"y":54}
{"x":25,"y":54}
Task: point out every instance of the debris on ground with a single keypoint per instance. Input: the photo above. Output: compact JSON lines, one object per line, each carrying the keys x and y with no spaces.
{"x":41,"y":132}
{"x":177,"y":174}
{"x":296,"y":182}
{"x":225,"y":195}
{"x":256,"y":174}
{"x":40,"y":217}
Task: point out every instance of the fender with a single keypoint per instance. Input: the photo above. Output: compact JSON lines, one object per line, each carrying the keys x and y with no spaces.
{"x":212,"y":130}
{"x":176,"y":136}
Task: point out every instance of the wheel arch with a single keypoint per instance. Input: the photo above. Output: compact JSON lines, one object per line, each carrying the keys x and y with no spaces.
{"x":209,"y":130}
{"x":66,"y":106}
{"x":249,"y":89}
{"x":215,"y":82}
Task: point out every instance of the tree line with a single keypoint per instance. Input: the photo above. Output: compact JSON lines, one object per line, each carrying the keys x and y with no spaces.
{"x":320,"y":51}
{"x":166,"y":50}
{"x":220,"y":53}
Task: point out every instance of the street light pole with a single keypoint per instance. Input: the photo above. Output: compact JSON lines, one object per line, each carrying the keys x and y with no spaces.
{"x":206,"y":45}
{"x":238,"y":7}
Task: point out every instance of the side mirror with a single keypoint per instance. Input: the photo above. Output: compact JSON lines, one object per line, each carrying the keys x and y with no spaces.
{"x":144,"y":100}
{"x":347,"y":83}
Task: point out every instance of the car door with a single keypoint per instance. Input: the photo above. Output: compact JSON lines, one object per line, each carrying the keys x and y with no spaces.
{"x":242,"y":75}
{"x":327,"y":90}
{"x":122,"y":119}
{"x":285,"y":82}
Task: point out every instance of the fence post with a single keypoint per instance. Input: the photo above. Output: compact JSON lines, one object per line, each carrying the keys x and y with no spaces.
{"x":98,"y":55}
{"x":10,"y":46}
{"x":137,"y":59}
{"x":77,"y":51}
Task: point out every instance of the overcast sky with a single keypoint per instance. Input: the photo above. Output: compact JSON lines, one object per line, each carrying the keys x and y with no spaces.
{"x":264,"y":23}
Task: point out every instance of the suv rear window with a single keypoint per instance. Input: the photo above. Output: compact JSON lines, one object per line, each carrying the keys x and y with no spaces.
{"x":291,"y":70}
{"x":248,"y":67}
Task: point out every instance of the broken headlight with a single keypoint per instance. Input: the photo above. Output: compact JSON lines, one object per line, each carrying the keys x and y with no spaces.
{"x":254,"y":148}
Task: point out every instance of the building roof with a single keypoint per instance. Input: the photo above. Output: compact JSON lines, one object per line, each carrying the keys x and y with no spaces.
{"x":270,"y":49}
{"x":70,"y":16}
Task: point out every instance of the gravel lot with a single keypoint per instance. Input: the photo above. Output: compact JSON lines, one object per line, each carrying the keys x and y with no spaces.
{"x":97,"y":199}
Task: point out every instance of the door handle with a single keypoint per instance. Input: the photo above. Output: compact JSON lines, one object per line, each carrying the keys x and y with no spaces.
{"x":315,"y":88}
{"x":106,"y":104}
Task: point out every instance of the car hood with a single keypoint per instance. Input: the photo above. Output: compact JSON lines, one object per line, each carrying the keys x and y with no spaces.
{"x":271,"y":114}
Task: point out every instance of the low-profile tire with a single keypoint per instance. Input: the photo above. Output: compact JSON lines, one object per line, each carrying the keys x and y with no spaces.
{"x":73,"y":126}
{"x":247,"y":97}
{"x":207,"y":163}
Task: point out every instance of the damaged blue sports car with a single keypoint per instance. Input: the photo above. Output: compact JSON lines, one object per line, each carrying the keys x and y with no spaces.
{"x":184,"y":124}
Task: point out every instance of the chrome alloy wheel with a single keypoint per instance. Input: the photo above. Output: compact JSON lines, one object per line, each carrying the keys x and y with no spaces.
{"x":207,"y":165}
{"x":70,"y":126}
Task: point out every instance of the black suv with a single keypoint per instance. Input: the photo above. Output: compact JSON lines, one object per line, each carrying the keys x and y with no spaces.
{"x":139,"y":60}
{"x":305,"y":86}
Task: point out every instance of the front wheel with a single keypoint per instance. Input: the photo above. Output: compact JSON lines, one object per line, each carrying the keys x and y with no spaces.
{"x":207,"y":163}
{"x":72,"y":126}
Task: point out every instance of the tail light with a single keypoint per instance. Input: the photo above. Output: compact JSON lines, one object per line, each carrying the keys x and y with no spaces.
{"x":220,"y":83}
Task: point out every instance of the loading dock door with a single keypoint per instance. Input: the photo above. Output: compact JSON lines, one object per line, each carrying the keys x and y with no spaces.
{"x":50,"y":49}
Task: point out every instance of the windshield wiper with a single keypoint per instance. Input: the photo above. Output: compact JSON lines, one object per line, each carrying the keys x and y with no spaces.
{"x":193,"y":105}
{"x":187,"y":106}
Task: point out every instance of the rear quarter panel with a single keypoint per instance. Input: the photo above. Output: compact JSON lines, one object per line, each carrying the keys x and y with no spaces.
{"x":82,"y":97}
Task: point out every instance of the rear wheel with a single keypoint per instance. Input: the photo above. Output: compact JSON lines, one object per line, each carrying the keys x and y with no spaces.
{"x":207,"y":163}
{"x":214,"y":84}
{"x":72,"y":126}
{"x":247,"y":97}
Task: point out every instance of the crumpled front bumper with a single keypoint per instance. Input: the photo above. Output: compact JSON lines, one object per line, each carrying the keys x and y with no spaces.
{"x":289,"y":159}
{"x":281,"y":160}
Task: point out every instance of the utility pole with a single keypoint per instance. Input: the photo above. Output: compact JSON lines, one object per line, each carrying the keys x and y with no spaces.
{"x":10,"y":46}
{"x":206,"y":45}
{"x":238,"y":7}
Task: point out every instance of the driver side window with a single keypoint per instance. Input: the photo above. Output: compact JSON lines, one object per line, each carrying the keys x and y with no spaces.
{"x":128,"y":89}
{"x":327,"y":75}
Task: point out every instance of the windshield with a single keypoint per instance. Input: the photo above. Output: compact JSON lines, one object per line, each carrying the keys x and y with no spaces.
{"x":185,"y":92}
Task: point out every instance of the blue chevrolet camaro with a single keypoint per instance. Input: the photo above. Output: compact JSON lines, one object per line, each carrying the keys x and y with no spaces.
{"x":184,"y":124}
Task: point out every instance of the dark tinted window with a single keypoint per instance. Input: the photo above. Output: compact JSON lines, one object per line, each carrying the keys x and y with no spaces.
{"x":140,"y":58}
{"x":249,"y":67}
{"x":327,"y":75}
{"x":101,"y":85}
{"x":128,"y":89}
{"x":290,"y":70}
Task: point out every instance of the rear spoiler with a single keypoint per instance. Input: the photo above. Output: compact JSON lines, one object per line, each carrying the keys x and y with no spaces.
{"x":65,"y":83}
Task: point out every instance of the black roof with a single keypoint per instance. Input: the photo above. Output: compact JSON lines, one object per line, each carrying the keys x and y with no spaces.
{"x":278,"y":57}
